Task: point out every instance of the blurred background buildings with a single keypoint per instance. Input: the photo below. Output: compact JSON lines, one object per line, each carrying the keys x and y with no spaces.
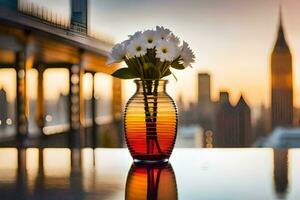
{"x":232,"y":125}
{"x":54,"y":80}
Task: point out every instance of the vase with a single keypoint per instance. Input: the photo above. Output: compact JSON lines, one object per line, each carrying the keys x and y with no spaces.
{"x":150,"y":122}
{"x":151,"y":182}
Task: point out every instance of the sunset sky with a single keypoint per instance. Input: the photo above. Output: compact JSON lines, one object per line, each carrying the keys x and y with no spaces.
{"x":232,"y":39}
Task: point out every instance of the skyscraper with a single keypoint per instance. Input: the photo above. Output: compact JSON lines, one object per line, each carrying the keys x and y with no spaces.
{"x":205,"y":107}
{"x":281,"y":81}
{"x":243,"y":115}
{"x":203,"y":88}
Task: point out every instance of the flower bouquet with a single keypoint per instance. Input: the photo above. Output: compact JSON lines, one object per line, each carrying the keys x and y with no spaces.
{"x":151,"y":114}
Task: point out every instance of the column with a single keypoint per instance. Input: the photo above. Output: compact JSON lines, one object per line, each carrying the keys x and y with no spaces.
{"x":117,"y":108}
{"x":21,"y":98}
{"x":40,"y":111}
{"x":94,"y":109}
{"x":117,"y":99}
{"x":76,"y":107}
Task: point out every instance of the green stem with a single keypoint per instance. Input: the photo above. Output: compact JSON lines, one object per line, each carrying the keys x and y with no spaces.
{"x":165,"y":69}
{"x":155,"y":113}
{"x":142,"y":69}
{"x":151,"y":126}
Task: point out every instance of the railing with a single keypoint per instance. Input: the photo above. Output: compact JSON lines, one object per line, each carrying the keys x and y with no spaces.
{"x":47,"y":16}
{"x":44,"y":14}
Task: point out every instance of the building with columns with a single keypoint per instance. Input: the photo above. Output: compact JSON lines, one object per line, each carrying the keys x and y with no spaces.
{"x":32,"y":37}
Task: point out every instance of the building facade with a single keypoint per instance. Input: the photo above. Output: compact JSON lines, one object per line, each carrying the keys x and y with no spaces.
{"x":233,"y":123}
{"x":243,"y":115}
{"x":205,"y":107}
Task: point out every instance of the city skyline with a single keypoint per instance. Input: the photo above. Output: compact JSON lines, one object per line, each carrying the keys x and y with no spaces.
{"x":233,"y":41}
{"x":242,"y":50}
{"x":68,"y":133}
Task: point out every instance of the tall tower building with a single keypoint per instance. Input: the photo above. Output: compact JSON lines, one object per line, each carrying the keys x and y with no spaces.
{"x":281,"y":81}
{"x":203,"y":88}
{"x":243,"y":115}
{"x":205,"y":107}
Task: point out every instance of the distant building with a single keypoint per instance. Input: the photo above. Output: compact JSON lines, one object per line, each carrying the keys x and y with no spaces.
{"x":243,"y":115}
{"x":296,"y":115}
{"x":181,"y":110}
{"x":205,"y":106}
{"x":3,"y":107}
{"x":204,"y":88}
{"x":190,"y":136}
{"x":226,"y":134}
{"x":281,"y":82}
{"x":192,"y":115}
{"x":233,"y":124}
{"x":263,"y":123}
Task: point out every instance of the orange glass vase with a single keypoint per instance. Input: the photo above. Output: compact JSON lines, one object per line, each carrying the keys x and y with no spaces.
{"x":150,"y":122}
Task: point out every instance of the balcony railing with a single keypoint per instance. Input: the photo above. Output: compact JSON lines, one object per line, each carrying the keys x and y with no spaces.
{"x":47,"y":16}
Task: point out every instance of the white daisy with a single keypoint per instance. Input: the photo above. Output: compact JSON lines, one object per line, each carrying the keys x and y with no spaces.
{"x":125,"y":42}
{"x":187,"y":55}
{"x":162,"y":33}
{"x":173,"y":38}
{"x":149,"y":38}
{"x":135,"y":35}
{"x":166,"y":51}
{"x":117,"y":54}
{"x":136,"y":48}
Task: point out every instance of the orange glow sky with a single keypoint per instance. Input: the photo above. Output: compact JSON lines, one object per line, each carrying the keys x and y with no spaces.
{"x":232,"y":39}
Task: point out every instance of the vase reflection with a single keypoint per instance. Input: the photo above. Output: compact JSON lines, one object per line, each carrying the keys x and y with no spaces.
{"x":151,"y":182}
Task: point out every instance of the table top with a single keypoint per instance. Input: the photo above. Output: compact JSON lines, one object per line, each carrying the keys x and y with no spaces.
{"x":259,"y":174}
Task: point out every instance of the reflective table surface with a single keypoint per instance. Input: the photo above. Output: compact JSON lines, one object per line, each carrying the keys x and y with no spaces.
{"x":221,"y":174}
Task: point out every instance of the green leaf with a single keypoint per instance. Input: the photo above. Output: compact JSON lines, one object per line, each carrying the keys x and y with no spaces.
{"x":178,"y":66}
{"x":133,"y":66}
{"x":125,"y":73}
{"x":167,"y":73}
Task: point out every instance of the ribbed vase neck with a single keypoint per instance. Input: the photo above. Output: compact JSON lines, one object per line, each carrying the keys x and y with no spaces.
{"x":151,"y":86}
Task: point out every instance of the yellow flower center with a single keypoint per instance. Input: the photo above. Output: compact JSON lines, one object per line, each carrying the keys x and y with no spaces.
{"x":138,"y":48}
{"x":164,"y":50}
